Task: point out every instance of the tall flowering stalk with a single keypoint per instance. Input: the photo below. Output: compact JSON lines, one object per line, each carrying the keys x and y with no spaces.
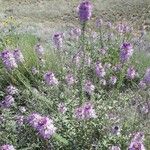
{"x":84,"y":11}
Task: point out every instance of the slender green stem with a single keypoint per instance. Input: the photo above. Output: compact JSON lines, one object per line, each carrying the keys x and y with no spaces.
{"x":83,"y":62}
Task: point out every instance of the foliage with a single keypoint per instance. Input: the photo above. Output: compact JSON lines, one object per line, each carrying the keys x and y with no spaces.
{"x":123,"y":103}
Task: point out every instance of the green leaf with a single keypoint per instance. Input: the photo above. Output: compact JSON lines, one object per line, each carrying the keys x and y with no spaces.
{"x":60,"y":139}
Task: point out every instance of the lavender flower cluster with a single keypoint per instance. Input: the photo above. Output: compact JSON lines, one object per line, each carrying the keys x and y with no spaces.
{"x":7,"y":147}
{"x":70,"y":80}
{"x":126,"y":52}
{"x":137,"y":142}
{"x":9,"y":100}
{"x":84,"y":112}
{"x":11,"y":59}
{"x":58,"y":40}
{"x":89,"y":87}
{"x":100,"y":70}
{"x":75,"y":33}
{"x":43,"y":125}
{"x":62,"y":108}
{"x":84,"y":11}
{"x":50,"y":79}
{"x":123,"y":28}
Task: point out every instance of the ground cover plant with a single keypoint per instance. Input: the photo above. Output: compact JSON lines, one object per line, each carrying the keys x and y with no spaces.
{"x":88,"y":90}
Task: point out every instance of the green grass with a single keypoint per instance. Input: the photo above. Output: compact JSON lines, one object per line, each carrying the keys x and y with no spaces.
{"x":48,"y":16}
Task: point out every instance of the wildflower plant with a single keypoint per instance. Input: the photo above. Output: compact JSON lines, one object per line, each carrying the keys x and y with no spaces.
{"x":83,"y":92}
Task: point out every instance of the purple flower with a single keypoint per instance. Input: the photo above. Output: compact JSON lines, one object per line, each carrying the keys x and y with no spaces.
{"x":126,"y":52}
{"x":137,"y":142}
{"x":18,"y":56}
{"x":110,"y":36}
{"x":109,"y":25}
{"x":43,"y":125}
{"x":100,"y":71}
{"x":77,"y":58}
{"x":33,"y":119}
{"x":136,"y":146}
{"x":78,"y":113}
{"x":99,"y":23}
{"x":142,"y":85}
{"x":50,"y":79}
{"x":123,"y":28}
{"x":62,"y":108}
{"x":7,"y":147}
{"x":34,"y":71}
{"x":84,"y":11}
{"x":113,"y":80}
{"x":103,"y":51}
{"x":143,"y":109}
{"x":139,"y":136}
{"x":70,"y":79}
{"x":89,"y":87}
{"x":86,"y":111}
{"x":75,"y":33}
{"x":58,"y":40}
{"x":131,"y":73}
{"x":147,"y":77}
{"x":115,"y":148}
{"x":8,"y":60}
{"x":7,"y":102}
{"x":116,"y":130}
{"x":11,"y":90}
{"x":117,"y":67}
{"x":46,"y":127}
{"x":5,"y":54}
{"x":88,"y":60}
{"x":39,"y":50}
